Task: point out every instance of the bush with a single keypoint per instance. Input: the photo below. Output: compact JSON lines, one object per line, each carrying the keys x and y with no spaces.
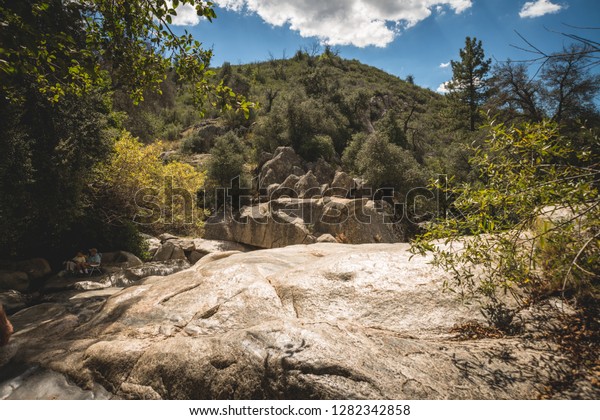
{"x":269,"y":133}
{"x":350,"y":155}
{"x":533,"y":220}
{"x":384,"y":164}
{"x":196,"y":142}
{"x":135,"y":186}
{"x":320,"y":146}
{"x":227,"y":160}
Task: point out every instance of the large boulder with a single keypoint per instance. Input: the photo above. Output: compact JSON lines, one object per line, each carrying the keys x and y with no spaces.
{"x":323,"y":321}
{"x":14,"y":280}
{"x":294,"y":221}
{"x":276,"y":170}
{"x":342,"y":185}
{"x":358,"y":221}
{"x":122,"y":259}
{"x":164,"y":252}
{"x":286,"y":188}
{"x":323,"y":171}
{"x":308,"y":186}
{"x":36,"y":268}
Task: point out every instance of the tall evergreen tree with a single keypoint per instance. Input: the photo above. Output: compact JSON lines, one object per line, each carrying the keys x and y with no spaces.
{"x":468,"y":78}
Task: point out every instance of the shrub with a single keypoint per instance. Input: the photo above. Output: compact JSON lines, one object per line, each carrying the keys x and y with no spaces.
{"x":320,"y":146}
{"x":384,"y":164}
{"x":533,"y":220}
{"x":226,"y":160}
{"x":196,"y":142}
{"x":133,"y":185}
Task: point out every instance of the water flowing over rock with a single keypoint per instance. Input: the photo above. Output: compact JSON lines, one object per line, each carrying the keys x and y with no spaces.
{"x":309,"y":321}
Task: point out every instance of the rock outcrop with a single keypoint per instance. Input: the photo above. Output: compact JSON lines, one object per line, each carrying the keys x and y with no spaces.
{"x":302,"y":201}
{"x":292,"y":221}
{"x":322,"y":321}
{"x":169,"y":247}
{"x":20,"y":274}
{"x":278,"y":168}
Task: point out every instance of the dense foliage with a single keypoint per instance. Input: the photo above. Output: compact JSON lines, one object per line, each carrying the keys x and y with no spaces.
{"x":135,"y":185}
{"x":533,"y":220}
{"x":65,"y":67}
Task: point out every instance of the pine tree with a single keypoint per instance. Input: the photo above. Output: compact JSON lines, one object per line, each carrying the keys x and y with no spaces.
{"x":468,"y":78}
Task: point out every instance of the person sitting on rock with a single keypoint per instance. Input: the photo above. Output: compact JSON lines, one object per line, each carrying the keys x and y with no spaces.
{"x":93,"y":260}
{"x":80,"y":262}
{"x":6,"y":328}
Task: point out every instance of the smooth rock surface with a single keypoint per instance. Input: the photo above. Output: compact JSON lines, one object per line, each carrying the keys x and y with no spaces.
{"x":310,"y":321}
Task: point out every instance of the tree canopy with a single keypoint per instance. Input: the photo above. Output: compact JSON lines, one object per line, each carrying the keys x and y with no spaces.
{"x":468,"y":84}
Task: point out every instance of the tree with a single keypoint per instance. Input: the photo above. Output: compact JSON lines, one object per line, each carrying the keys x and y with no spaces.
{"x":59,"y":63}
{"x":135,"y":185}
{"x":386,"y":165}
{"x":226,"y":160}
{"x":533,"y":222}
{"x":468,"y":84}
{"x":570,"y":88}
{"x":564,"y":92}
{"x":515,"y":92}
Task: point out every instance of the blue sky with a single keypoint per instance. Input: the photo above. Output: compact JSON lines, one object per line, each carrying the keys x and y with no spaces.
{"x":399,"y":36}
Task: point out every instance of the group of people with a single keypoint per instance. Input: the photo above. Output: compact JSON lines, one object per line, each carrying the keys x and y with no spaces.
{"x":82,"y":263}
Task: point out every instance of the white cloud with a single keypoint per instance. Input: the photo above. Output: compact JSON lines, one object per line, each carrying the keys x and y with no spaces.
{"x":443,"y":88}
{"x":445,"y":65}
{"x":345,"y":22}
{"x":537,"y":8}
{"x":186,"y":15}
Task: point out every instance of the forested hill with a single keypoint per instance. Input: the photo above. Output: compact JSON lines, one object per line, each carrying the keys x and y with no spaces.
{"x":323,"y":106}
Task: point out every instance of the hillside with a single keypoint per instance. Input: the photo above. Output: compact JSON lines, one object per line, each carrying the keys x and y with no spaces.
{"x":323,"y":106}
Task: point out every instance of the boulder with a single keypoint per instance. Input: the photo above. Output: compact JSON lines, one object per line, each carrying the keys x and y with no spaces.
{"x":195,"y":256}
{"x":308,"y":186}
{"x":268,"y":178}
{"x":121,"y":259}
{"x":326,"y":238}
{"x":322,"y":321}
{"x":166,"y":236}
{"x":276,"y":170}
{"x":164,"y":252}
{"x":36,"y":268}
{"x":359,"y":220}
{"x":296,"y":170}
{"x":206,"y":247}
{"x":263,"y":158}
{"x":153,"y":243}
{"x":271,"y":190}
{"x":342,"y":185}
{"x":323,"y":171}
{"x":286,"y":188}
{"x":178,"y":254}
{"x":13,"y":301}
{"x":14,"y":280}
{"x":186,"y":244}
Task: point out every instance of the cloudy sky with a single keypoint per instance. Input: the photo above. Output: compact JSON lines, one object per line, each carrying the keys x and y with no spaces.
{"x":402,"y":37}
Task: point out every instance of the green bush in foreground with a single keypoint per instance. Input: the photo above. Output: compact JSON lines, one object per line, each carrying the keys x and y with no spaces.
{"x":533,"y":221}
